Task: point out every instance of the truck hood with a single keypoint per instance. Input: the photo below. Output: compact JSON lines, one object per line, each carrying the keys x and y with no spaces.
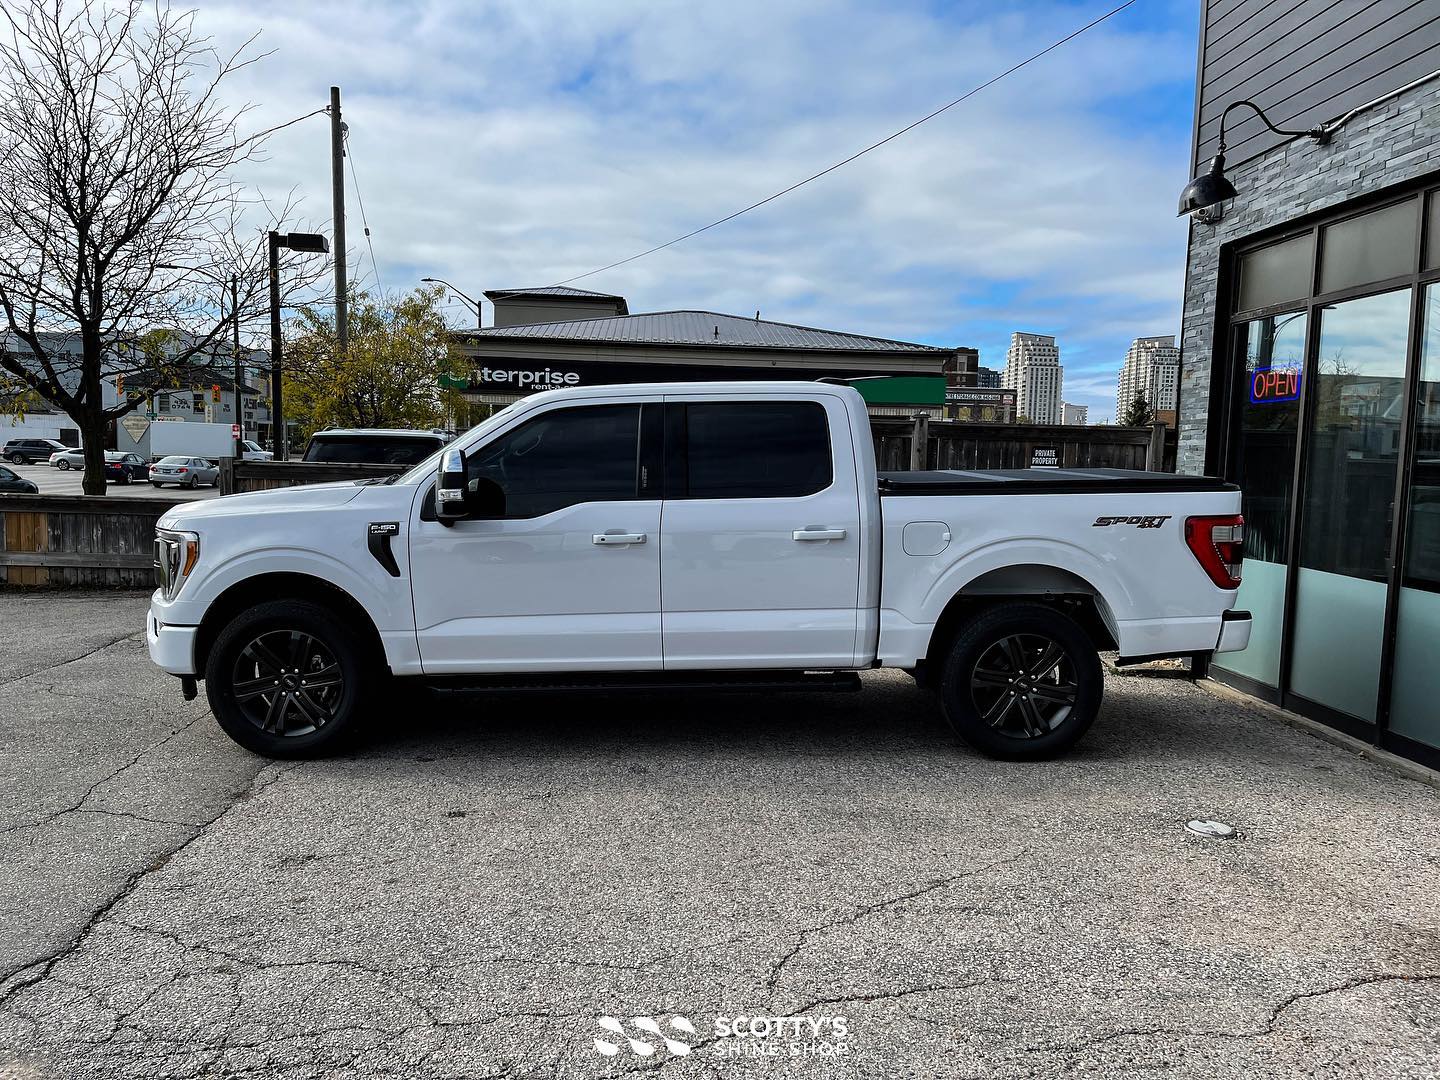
{"x":278,"y":500}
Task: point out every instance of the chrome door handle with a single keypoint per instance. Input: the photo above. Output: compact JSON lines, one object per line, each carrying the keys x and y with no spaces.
{"x":818,"y":534}
{"x":618,"y":538}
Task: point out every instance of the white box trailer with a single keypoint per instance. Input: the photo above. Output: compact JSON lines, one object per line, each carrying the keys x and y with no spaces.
{"x":161,"y":438}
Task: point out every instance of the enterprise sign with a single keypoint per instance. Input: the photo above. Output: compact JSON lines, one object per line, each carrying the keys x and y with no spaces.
{"x":519,"y":376}
{"x":524,"y":378}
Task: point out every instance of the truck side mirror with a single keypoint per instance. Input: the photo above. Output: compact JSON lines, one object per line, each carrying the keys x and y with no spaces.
{"x":450,"y":503}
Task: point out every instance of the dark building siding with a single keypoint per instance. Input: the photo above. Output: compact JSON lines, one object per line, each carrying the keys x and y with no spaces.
{"x":1304,"y":62}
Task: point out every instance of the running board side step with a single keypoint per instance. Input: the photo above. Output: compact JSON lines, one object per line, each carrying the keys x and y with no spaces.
{"x":745,"y":682}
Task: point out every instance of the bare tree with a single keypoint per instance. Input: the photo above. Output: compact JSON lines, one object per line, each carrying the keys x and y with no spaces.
{"x":120,"y":221}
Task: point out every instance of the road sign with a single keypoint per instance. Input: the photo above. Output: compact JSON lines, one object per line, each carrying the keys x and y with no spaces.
{"x":135,"y":426}
{"x":235,"y":431}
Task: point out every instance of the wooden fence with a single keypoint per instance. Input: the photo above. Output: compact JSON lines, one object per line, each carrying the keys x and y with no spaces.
{"x":241,"y":476}
{"x":78,"y":540}
{"x":960,"y":444}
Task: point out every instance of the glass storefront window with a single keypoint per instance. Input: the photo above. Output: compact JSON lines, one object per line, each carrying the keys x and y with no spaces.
{"x":1346,"y":508}
{"x":1372,"y":247}
{"x":1415,"y":704}
{"x":1275,"y":274}
{"x":1263,"y":464}
{"x":1432,"y":231}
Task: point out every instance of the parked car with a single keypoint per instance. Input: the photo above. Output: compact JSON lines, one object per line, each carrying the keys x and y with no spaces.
{"x":183,"y":471}
{"x":29,"y":451}
{"x":125,"y":468}
{"x":72,"y":457}
{"x":533,"y":551}
{"x":11,"y":483}
{"x":250,"y":451}
{"x":374,"y":446}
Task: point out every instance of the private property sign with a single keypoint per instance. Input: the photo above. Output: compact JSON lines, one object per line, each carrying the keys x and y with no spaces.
{"x":1044,"y":457}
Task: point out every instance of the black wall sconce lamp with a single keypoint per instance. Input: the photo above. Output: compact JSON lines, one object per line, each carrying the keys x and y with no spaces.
{"x":1211,"y":188}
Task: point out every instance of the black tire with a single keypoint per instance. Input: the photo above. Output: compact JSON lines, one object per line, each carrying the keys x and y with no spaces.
{"x":63,"y":466}
{"x":18,"y":459}
{"x":254,"y":644}
{"x":1021,"y":682}
{"x":194,"y":483}
{"x":156,"y":484}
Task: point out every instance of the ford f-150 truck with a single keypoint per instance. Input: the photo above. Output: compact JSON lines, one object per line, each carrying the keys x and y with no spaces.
{"x":724,"y":534}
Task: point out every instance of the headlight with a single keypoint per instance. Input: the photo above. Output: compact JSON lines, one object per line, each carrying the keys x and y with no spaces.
{"x":176,"y":554}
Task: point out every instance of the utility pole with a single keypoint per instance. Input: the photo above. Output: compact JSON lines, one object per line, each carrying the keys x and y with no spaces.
{"x":337,"y":187}
{"x":278,"y":442}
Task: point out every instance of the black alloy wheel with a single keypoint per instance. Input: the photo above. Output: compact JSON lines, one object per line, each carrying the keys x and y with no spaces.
{"x":287,"y":683}
{"x":1021,"y":681}
{"x":290,"y":679}
{"x":1024,"y":685}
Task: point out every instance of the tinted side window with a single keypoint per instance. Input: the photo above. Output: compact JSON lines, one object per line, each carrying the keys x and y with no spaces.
{"x":569,"y":456}
{"x":757,"y":450}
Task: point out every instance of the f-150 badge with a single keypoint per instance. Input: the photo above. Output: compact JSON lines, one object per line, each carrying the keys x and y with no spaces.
{"x":1139,"y":522}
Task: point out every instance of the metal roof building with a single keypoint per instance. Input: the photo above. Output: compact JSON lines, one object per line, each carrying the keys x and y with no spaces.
{"x":556,"y":336}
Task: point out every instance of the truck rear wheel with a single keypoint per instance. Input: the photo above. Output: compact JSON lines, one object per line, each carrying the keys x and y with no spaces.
{"x":287,"y":678}
{"x":1022,"y":682}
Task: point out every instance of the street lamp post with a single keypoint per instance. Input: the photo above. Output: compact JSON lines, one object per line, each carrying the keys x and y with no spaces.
{"x":479,"y":323}
{"x":279,"y":437}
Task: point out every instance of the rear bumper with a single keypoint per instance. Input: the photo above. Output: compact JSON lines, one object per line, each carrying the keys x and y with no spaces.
{"x":1234,"y":631}
{"x":172,"y":648}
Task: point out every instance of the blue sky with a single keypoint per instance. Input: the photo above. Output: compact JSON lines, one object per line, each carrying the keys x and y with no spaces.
{"x":502,"y":144}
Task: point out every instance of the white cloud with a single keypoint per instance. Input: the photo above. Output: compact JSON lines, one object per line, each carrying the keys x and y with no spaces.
{"x":517,"y":143}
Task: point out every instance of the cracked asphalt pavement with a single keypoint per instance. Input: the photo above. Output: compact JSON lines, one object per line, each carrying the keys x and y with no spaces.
{"x":470,"y":890}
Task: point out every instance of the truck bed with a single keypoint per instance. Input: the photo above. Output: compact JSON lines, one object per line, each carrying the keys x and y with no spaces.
{"x":1042,"y":482}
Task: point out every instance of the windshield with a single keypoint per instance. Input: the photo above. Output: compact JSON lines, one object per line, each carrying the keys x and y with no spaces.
{"x":428,"y":466}
{"x":172,"y":460}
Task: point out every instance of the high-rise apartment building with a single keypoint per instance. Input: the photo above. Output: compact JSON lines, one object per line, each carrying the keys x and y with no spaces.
{"x":1151,"y":368}
{"x":1033,"y":371}
{"x":1074,"y":414}
{"x":989,"y":378}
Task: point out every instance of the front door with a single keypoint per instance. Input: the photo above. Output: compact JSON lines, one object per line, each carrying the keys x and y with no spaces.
{"x":569,"y":577}
{"x":760,"y":537}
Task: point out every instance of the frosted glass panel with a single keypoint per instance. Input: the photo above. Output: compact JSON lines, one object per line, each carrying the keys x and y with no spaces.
{"x":1276,"y":273}
{"x":1371,"y":247}
{"x":1415,"y":707}
{"x":1338,"y":629}
{"x":1262,"y":593}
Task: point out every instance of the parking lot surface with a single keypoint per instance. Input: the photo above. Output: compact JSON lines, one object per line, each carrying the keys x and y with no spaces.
{"x":541,"y":885}
{"x":52,"y":481}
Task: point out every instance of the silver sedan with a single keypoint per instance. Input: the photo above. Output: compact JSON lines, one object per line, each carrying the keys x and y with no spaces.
{"x":65,"y":460}
{"x":181,"y":471}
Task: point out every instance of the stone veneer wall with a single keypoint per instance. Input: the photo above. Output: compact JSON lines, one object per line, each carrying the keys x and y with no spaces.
{"x":1390,"y":144}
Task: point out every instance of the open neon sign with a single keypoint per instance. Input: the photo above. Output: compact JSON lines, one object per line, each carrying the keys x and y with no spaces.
{"x":1269,"y":385}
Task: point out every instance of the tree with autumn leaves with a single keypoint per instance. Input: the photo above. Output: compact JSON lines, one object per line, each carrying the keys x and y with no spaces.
{"x":396,"y":372}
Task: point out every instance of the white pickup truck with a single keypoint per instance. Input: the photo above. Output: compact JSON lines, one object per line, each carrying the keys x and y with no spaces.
{"x":690,"y":535}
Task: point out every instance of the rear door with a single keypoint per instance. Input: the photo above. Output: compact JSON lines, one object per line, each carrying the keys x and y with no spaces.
{"x":760,"y":535}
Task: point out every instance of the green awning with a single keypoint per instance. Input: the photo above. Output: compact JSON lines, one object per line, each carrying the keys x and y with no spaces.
{"x":901,"y":389}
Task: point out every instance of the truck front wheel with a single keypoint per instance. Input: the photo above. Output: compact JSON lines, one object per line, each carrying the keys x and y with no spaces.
{"x":1022,"y":681}
{"x":287,"y":678}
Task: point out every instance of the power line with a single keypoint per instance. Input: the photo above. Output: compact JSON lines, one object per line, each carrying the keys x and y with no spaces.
{"x":355,"y":183}
{"x":858,"y":154}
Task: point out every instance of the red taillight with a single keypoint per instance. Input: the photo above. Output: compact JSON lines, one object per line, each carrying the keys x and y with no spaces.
{"x":1219,"y":544}
{"x":182,"y":469}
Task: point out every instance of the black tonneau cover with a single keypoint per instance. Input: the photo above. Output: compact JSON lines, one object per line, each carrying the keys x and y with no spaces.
{"x":1043,"y":482}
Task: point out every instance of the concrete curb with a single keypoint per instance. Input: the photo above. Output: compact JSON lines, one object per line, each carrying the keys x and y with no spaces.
{"x":1411,"y":770}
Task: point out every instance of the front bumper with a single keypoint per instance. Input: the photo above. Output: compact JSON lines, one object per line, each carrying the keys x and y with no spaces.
{"x":172,"y":648}
{"x":1234,"y":631}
